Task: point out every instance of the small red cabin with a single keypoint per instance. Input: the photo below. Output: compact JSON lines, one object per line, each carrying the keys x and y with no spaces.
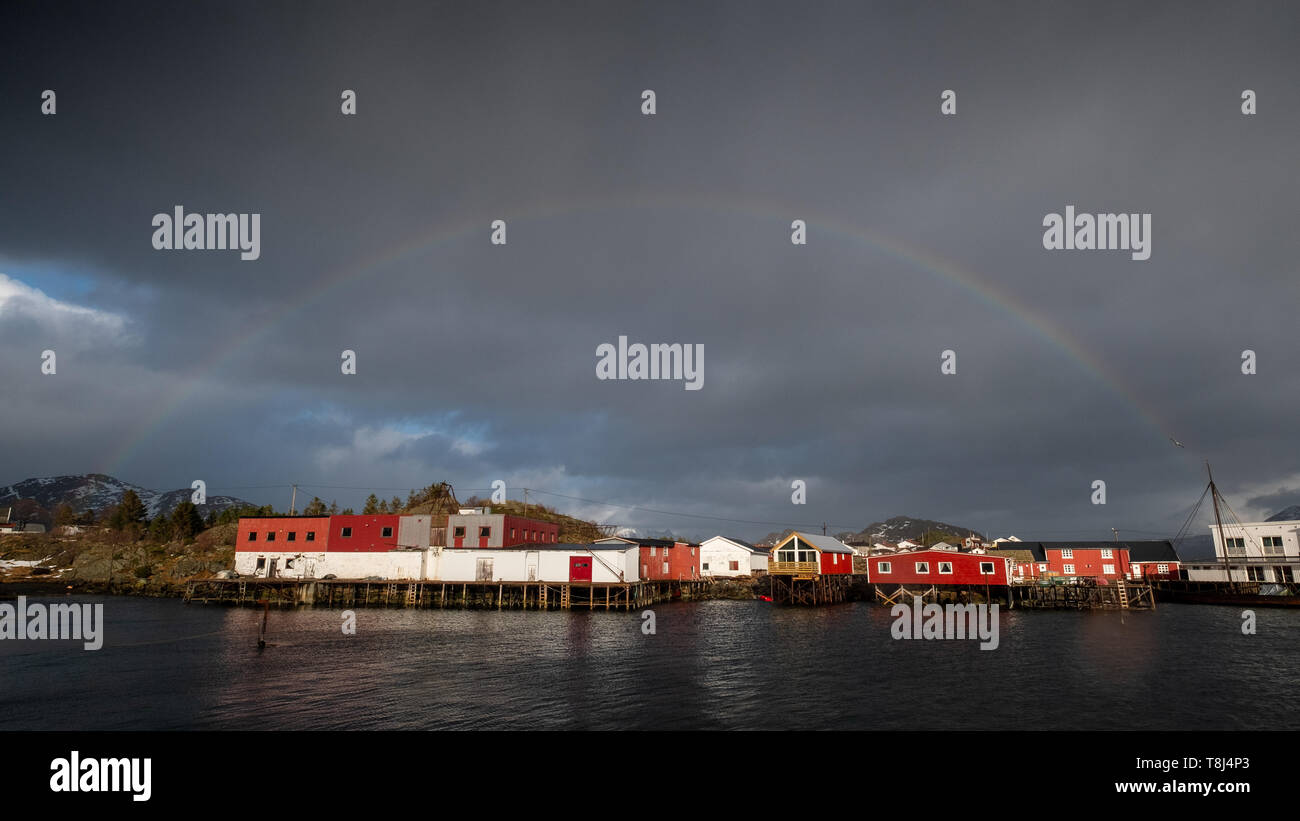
{"x":802,"y":554}
{"x":939,"y":567}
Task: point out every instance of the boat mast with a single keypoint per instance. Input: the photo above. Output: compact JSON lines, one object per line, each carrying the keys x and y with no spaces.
{"x":1223,"y":538}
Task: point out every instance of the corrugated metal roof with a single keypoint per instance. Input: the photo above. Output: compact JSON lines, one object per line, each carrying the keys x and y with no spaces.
{"x":826,"y":544}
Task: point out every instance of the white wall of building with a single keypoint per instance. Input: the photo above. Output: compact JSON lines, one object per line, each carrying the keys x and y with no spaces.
{"x":718,"y":553}
{"x":1253,"y":535}
{"x":443,"y":564}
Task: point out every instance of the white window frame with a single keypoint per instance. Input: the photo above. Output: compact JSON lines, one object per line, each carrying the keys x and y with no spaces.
{"x":1108,"y":569}
{"x":991,"y":569}
{"x":1107,"y":553}
{"x":923,"y":568}
{"x":884,"y":567}
{"x":1068,"y":569}
{"x":1067,"y":553}
{"x":947,"y":572}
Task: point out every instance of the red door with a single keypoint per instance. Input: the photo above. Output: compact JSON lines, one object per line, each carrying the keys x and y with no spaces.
{"x":579,"y":568}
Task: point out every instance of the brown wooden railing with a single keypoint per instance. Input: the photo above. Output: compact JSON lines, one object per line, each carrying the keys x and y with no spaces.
{"x":793,"y":568}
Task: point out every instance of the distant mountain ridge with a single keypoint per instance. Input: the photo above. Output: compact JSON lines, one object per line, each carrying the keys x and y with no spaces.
{"x":96,"y":491}
{"x":1286,"y":515}
{"x":906,"y":527}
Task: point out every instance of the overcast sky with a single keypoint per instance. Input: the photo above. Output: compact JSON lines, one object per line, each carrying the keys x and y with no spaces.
{"x":477,"y":362}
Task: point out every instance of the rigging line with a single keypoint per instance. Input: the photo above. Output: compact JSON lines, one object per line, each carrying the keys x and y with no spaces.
{"x":1187,"y":523}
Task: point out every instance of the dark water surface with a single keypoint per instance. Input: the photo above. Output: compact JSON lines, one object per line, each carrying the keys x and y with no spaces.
{"x":711,"y":665}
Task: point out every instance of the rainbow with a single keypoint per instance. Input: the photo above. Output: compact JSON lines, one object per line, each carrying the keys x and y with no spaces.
{"x":819,"y":225}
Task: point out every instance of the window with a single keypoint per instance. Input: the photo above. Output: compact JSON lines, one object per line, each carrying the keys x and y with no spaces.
{"x":922,"y":567}
{"x":1067,"y":553}
{"x":252,"y":536}
{"x":1236,"y":547}
{"x":1272,"y":545}
{"x":945,"y":567}
{"x":460,"y":533}
{"x":1256,"y":574}
{"x":1069,"y":570}
{"x":654,"y":551}
{"x":835,"y":558}
{"x":1137,"y":570}
{"x":270,"y":536}
{"x":485,"y":532}
{"x":692,"y":551}
{"x":293,"y":536}
{"x":346,"y":533}
{"x":512,"y":534}
{"x":733,"y":566}
{"x":884,"y":567}
{"x":1107,"y":553}
{"x":261,"y":562}
{"x":311,"y":535}
{"x":705,"y":565}
{"x":665,"y":570}
{"x":986,"y":568}
{"x":1042,"y":568}
{"x":785,"y":555}
{"x":1108,"y":569}
{"x":386,"y":533}
{"x":288,"y":564}
{"x":1162,"y":568}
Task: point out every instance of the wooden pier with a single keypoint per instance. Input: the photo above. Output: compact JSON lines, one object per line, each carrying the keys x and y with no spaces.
{"x":1119,"y":595}
{"x":349,"y":593}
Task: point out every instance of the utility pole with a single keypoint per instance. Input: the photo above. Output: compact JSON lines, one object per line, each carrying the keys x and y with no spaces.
{"x":293,"y":501}
{"x":525,"y":503}
{"x":823,"y":528}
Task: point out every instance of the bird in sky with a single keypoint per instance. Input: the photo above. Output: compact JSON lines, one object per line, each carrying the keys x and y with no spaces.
{"x":1175,"y":441}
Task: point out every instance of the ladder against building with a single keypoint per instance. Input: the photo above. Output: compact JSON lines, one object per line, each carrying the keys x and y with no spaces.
{"x":411,"y":594}
{"x":1123,"y":593}
{"x":564,"y":597}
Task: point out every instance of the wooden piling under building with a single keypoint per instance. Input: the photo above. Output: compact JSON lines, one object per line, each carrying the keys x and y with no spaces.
{"x":809,"y":590}
{"x":426,"y":593}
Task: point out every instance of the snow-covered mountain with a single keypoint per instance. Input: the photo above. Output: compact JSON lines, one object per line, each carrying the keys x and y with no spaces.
{"x":96,"y":491}
{"x":1289,"y":514}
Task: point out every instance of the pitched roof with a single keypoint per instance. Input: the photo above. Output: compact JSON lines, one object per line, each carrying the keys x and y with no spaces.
{"x":826,"y":544}
{"x":741,"y":543}
{"x":637,"y":541}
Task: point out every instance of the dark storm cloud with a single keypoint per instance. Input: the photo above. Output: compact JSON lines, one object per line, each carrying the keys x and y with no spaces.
{"x":821,"y":362}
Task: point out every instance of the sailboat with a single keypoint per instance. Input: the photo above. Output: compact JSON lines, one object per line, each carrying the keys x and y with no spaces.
{"x":1222,"y":586}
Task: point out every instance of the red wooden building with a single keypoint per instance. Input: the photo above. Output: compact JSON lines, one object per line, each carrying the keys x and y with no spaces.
{"x":939,"y":567}
{"x":803,"y":553}
{"x":663,"y":559}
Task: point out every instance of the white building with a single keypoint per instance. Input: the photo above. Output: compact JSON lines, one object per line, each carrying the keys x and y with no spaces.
{"x":559,"y":563}
{"x":723,"y":557}
{"x":1255,"y":551}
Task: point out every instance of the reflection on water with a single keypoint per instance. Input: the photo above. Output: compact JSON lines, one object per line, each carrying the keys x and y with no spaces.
{"x":723,"y":665}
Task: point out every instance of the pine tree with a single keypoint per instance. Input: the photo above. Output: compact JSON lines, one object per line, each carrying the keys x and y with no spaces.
{"x":314,"y":508}
{"x":130,"y":512}
{"x":383,"y":506}
{"x":372,"y":505}
{"x":334,"y":508}
{"x":186,"y":522}
{"x":347,"y":511}
{"x":395,"y":506}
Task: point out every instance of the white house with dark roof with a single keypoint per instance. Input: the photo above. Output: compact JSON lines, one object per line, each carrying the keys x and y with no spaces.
{"x":726,"y":557}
